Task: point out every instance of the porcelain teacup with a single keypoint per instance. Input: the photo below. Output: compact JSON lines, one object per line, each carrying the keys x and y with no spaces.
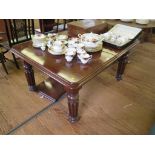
{"x":85,"y":56}
{"x":58,"y":43}
{"x":80,"y":51}
{"x":49,"y":44}
{"x":69,"y":58}
{"x":71,"y":51}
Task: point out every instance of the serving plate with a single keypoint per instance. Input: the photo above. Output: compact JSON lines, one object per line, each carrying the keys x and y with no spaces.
{"x":131,"y":33}
{"x":124,"y":30}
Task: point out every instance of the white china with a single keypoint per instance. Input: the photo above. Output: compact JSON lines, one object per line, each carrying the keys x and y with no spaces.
{"x":70,"y":42}
{"x":50,"y":35}
{"x":85,"y":56}
{"x":69,"y":58}
{"x":89,"y":37}
{"x":115,"y":38}
{"x":49,"y":44}
{"x":80,"y":51}
{"x":38,"y":39}
{"x":121,"y":40}
{"x":106,"y":36}
{"x":93,"y":46}
{"x":43,"y":48}
{"x":57,"y":49}
{"x":84,"y":60}
{"x":75,"y":39}
{"x":58,"y":43}
{"x":50,"y":50}
{"x":62,"y":37}
{"x":80,"y":45}
{"x":71,"y":51}
{"x":142,"y":21}
{"x":120,"y":34}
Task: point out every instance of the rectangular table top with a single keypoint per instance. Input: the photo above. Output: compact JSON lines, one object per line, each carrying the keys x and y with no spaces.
{"x":69,"y":73}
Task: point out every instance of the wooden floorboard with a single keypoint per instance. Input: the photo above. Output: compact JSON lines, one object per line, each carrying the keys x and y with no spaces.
{"x":106,"y":105}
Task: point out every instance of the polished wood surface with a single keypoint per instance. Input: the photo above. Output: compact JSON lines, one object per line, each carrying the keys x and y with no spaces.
{"x":71,"y":75}
{"x":106,"y":106}
{"x":17,"y":31}
{"x":86,"y":26}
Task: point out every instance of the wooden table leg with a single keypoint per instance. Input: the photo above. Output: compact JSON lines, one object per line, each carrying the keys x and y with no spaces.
{"x":73,"y":103}
{"x":121,"y":66}
{"x":29,"y":73}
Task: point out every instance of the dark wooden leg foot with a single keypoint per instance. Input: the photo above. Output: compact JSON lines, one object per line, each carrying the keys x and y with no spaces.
{"x":15,"y":60}
{"x":30,"y":76}
{"x":121,"y":66}
{"x":73,"y":103}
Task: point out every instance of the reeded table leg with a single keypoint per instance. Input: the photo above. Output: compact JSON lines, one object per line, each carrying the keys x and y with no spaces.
{"x":29,"y":76}
{"x":121,"y":66}
{"x":73,"y":103}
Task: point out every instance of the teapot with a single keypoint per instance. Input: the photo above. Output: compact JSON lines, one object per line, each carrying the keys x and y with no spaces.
{"x":90,"y":37}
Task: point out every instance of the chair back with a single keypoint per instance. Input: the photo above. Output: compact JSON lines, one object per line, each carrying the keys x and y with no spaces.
{"x":19,"y":30}
{"x":46,"y":25}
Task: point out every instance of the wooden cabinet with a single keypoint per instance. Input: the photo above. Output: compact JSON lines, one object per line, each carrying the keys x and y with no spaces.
{"x":2,"y":29}
{"x":86,"y":26}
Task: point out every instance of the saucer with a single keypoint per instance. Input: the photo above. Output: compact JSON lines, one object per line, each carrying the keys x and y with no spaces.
{"x":36,"y":46}
{"x":56,"y":53}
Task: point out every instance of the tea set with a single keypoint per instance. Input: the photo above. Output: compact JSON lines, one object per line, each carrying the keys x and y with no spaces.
{"x":60,"y":44}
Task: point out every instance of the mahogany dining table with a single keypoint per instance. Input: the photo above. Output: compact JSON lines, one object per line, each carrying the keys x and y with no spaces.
{"x":67,"y":77}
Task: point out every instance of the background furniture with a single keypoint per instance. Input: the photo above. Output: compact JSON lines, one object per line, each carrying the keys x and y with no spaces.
{"x":46,"y":25}
{"x":147,"y":28}
{"x":85,"y":26}
{"x":53,"y":25}
{"x":2,"y":58}
{"x":17,"y":31}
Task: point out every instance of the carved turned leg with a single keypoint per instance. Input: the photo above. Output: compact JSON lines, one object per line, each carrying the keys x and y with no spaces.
{"x":30,"y":76}
{"x":121,"y":66}
{"x":73,"y":103}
